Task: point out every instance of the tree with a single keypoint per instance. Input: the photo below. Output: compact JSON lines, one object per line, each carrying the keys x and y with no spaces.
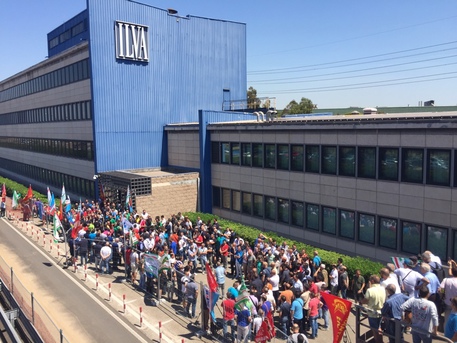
{"x":305,"y":106}
{"x":253,"y":101}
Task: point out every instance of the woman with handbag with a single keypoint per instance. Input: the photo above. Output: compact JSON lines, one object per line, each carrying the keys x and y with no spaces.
{"x":448,"y":289}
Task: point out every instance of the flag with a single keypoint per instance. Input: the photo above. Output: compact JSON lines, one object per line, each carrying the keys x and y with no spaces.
{"x":263,"y":335}
{"x":212,"y":283}
{"x":398,"y":262}
{"x":67,"y":204}
{"x":126,"y":225}
{"x":80,"y":207}
{"x":211,"y":300}
{"x":49,"y":196}
{"x":52,"y":205}
{"x":133,"y":239}
{"x":29,"y":195}
{"x":128,"y":200}
{"x":15,"y":200}
{"x":57,"y":226}
{"x":63,"y":197}
{"x":4,"y":193}
{"x":243,"y":300}
{"x":339,"y":309}
{"x":271,"y":325}
{"x":60,"y":211}
{"x":242,"y":286}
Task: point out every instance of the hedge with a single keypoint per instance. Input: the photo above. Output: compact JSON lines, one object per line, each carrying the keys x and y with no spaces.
{"x":12,"y":186}
{"x":249,"y":234}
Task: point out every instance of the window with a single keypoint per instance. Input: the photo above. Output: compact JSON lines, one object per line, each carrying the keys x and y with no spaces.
{"x":347,"y":224}
{"x":257,"y":155}
{"x":226,"y":198}
{"x":366,"y":163}
{"x":283,"y":211}
{"x":215,"y":152}
{"x":297,"y":213}
{"x":247,"y":203}
{"x":270,"y":156}
{"x":438,"y":167}
{"x":410,"y":237}
{"x":283,"y":156}
{"x":388,"y":164}
{"x":329,"y":160}
{"x":388,"y":233}
{"x":346,"y":161}
{"x":312,"y":159}
{"x":236,"y":201}
{"x":329,"y":220}
{"x":366,"y":228}
{"x":437,"y":241}
{"x":270,"y":208}
{"x":412,"y":165}
{"x":246,"y":158}
{"x":297,"y":152}
{"x":225,"y":153}
{"x":258,"y":205}
{"x":235,"y":153}
{"x":312,"y":217}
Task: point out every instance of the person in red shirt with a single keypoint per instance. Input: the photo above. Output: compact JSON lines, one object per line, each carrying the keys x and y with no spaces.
{"x":228,"y":313}
{"x":314,"y":305}
{"x":224,"y":249}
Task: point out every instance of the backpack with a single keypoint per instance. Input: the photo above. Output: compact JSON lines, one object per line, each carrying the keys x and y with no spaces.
{"x":437,"y":270}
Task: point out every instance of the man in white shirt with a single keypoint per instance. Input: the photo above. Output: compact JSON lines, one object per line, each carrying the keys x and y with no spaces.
{"x":105,"y":254}
{"x":388,"y":278}
{"x":408,"y":277}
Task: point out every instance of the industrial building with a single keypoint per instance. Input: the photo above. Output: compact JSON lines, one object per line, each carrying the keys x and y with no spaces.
{"x":141,"y":97}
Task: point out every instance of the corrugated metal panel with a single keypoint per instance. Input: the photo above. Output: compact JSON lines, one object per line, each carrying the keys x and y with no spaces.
{"x":191,"y":62}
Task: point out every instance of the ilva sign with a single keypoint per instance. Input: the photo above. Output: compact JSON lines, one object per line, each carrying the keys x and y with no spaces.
{"x":131,"y":41}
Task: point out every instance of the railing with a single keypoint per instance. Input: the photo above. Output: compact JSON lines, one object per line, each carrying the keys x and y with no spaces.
{"x":361,"y":321}
{"x":249,"y":104}
{"x":30,"y":309}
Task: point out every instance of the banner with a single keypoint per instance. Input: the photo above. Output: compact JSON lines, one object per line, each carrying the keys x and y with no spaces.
{"x":212,"y":283}
{"x":398,"y":262}
{"x":211,"y":299}
{"x":153,"y":264}
{"x":263,"y":334}
{"x":339,"y":309}
{"x":271,"y":325}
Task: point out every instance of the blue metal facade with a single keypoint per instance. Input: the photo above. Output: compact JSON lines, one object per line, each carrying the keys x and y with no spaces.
{"x":71,"y":33}
{"x":192,"y":60}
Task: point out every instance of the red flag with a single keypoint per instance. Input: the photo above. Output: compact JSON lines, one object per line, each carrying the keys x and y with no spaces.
{"x":4,"y":193}
{"x":212,"y":283}
{"x":263,"y":335}
{"x":29,"y":195}
{"x":339,"y":309}
{"x":271,"y":325}
{"x":61,"y":212}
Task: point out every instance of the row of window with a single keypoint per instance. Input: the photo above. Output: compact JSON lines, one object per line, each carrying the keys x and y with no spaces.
{"x":71,"y":32}
{"x":383,"y":163}
{"x":391,"y":233}
{"x":66,"y":112}
{"x":72,"y":73}
{"x":72,"y":149}
{"x":72,"y":183}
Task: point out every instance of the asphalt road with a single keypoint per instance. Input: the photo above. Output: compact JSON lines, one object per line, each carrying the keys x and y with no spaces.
{"x":83,"y":316}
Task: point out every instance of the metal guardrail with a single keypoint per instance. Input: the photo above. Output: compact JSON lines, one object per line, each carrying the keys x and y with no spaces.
{"x":361,"y":321}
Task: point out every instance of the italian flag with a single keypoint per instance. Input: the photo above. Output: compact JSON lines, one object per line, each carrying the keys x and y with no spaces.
{"x":57,"y":226}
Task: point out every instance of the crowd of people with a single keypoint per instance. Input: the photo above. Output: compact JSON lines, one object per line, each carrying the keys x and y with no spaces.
{"x":280,"y":279}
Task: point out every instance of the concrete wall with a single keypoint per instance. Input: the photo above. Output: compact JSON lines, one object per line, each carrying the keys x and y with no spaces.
{"x":170,"y":194}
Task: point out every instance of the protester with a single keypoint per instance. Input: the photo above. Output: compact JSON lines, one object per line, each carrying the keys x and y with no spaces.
{"x":423,"y":316}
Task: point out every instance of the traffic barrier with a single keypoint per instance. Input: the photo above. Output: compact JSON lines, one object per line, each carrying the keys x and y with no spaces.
{"x":141,"y":316}
{"x":109,"y":291}
{"x":123,"y":300}
{"x":96,"y":281}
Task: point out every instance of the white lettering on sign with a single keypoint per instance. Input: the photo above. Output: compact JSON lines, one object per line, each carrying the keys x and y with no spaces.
{"x":131,"y":41}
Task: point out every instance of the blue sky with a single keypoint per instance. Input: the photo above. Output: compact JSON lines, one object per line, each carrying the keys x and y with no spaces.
{"x":336,"y":53}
